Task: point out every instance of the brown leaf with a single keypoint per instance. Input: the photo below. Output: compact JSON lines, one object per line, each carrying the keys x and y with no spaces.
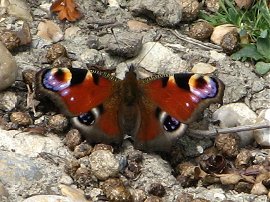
{"x":66,"y":9}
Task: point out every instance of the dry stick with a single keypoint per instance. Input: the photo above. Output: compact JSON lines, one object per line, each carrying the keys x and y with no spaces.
{"x":209,"y":133}
{"x":208,"y":46}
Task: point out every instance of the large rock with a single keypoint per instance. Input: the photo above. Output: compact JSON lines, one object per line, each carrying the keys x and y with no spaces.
{"x":8,"y":68}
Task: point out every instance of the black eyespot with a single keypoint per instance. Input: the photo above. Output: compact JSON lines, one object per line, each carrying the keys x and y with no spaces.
{"x":171,"y":124}
{"x":87,"y":118}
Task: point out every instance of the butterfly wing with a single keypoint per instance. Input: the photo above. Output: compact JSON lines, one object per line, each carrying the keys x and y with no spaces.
{"x":169,"y":103}
{"x":88,"y":96}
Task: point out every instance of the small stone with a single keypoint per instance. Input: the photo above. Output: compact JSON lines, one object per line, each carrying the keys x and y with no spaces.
{"x":66,"y":179}
{"x":259,"y":189}
{"x":55,"y":51}
{"x":103,"y":164}
{"x":228,"y":144}
{"x":115,"y":190}
{"x":47,"y":198}
{"x":190,"y":9}
{"x":184,"y":197}
{"x":71,"y":167}
{"x":73,"y":194}
{"x":24,"y":34}
{"x":71,"y":32}
{"x":82,"y":175}
{"x":28,"y":76}
{"x":243,"y":159}
{"x":262,"y":136}
{"x":203,"y":68}
{"x":230,"y":42}
{"x":21,"y":118}
{"x":62,"y":62}
{"x":93,"y":42}
{"x":58,"y":123}
{"x":138,"y":195}
{"x":92,"y":57}
{"x":243,"y":187}
{"x":157,"y":189}
{"x":212,"y":5}
{"x":82,"y":150}
{"x":8,"y":68}
{"x":128,"y":45}
{"x":137,"y":26}
{"x":153,"y":199}
{"x":220,"y":31}
{"x":73,"y":138}
{"x":103,"y":147}
{"x":10,"y":39}
{"x":201,"y":30}
{"x":8,"y":100}
{"x":3,"y":192}
{"x":165,"y":13}
{"x":50,"y":31}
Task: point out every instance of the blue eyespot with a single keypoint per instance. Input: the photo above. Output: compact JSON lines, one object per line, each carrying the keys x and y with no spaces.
{"x":171,"y":124}
{"x":87,"y":118}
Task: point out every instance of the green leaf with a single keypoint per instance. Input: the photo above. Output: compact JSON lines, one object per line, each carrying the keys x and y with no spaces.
{"x":248,"y":51}
{"x":262,"y":68}
{"x":263,"y":47}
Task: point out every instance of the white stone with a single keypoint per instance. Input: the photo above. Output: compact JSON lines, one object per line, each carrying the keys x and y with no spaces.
{"x":8,"y":68}
{"x":262,"y":136}
{"x":203,"y":68}
{"x":8,"y":101}
{"x":236,"y":114}
{"x":220,"y":31}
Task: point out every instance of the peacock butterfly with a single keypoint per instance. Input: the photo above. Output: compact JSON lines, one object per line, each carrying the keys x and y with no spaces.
{"x":153,"y":111}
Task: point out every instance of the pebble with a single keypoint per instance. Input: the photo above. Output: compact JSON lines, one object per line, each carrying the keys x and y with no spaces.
{"x":103,"y":147}
{"x":76,"y":195}
{"x":10,"y":39}
{"x":203,"y":68}
{"x":55,"y":51}
{"x":230,"y":42}
{"x":259,"y":189}
{"x":50,"y":31}
{"x":201,"y":30}
{"x":18,"y":8}
{"x":157,"y":189}
{"x":236,"y":114}
{"x":243,"y":159}
{"x":8,"y":68}
{"x":24,"y":34}
{"x":92,"y":57}
{"x":73,"y":138}
{"x":138,"y":195}
{"x":165,"y":13}
{"x":190,"y":9}
{"x":115,"y":190}
{"x":128,"y":44}
{"x":82,"y":150}
{"x":58,"y":123}
{"x":21,"y":118}
{"x":153,"y":199}
{"x":228,"y":144}
{"x":103,"y":164}
{"x":262,"y":136}
{"x":71,"y":32}
{"x":137,"y":26}
{"x":220,"y":31}
{"x":8,"y":100}
{"x":212,"y":5}
{"x":66,"y":179}
{"x":48,"y":198}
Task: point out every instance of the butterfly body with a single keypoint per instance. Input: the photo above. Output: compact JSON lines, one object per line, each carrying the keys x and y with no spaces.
{"x":153,"y":111}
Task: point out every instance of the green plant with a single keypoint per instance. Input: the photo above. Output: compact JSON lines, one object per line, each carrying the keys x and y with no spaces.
{"x":254,"y":23}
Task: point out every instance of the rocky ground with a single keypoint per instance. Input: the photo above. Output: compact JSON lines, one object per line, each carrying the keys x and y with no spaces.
{"x":43,"y":159}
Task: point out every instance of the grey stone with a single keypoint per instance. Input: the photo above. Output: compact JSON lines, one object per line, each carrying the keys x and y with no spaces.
{"x":8,"y":68}
{"x":164,"y":12}
{"x":8,"y":101}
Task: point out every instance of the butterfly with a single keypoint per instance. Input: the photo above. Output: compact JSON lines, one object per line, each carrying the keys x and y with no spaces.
{"x":153,"y":111}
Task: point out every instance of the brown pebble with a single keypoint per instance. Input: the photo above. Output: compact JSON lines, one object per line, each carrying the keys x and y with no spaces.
{"x":190,"y":9}
{"x":157,"y":189}
{"x":29,"y":76}
{"x":230,"y":42}
{"x":102,"y":147}
{"x":244,"y":187}
{"x":58,"y":123}
{"x":201,"y":30}
{"x":184,"y":197}
{"x":82,"y":150}
{"x":62,"y":61}
{"x":138,"y":195}
{"x":24,"y":34}
{"x":115,"y":190}
{"x":9,"y":39}
{"x":228,"y":144}
{"x":71,"y":167}
{"x":73,"y":138}
{"x":55,"y":51}
{"x":82,"y":174}
{"x":21,"y":118}
{"x":243,"y":159}
{"x":153,"y":199}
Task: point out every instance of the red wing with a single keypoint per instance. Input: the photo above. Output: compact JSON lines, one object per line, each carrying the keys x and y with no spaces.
{"x":184,"y":96}
{"x":75,"y":91}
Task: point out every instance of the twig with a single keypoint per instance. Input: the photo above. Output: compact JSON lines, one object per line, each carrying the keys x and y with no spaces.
{"x":212,"y":133}
{"x":208,"y":46}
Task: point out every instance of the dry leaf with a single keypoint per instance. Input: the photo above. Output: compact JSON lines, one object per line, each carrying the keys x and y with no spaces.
{"x":66,"y":9}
